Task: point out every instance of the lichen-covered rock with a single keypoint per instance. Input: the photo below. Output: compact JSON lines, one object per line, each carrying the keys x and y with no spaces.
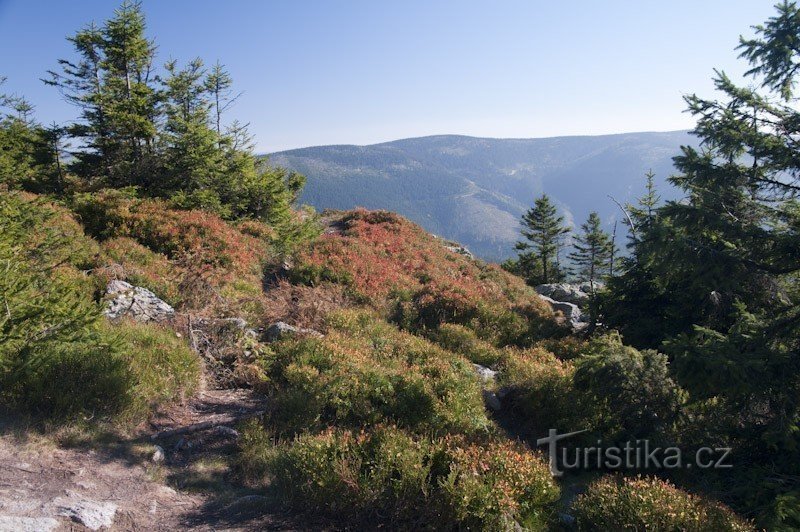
{"x":139,"y":303}
{"x":570,"y":311}
{"x":280,"y":330}
{"x":569,"y":293}
{"x":94,"y":515}
{"x":485,"y":374}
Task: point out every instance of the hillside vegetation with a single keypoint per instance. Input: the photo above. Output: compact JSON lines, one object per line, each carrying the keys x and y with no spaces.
{"x":391,"y":379}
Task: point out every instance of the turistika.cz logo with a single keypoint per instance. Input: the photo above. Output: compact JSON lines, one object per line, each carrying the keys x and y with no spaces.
{"x":638,"y":454}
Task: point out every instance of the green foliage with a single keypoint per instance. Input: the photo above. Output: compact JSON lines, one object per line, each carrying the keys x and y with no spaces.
{"x":112,"y":84}
{"x":618,"y":503}
{"x":164,"y":134}
{"x":464,"y":341}
{"x":715,"y":272}
{"x":364,"y":372}
{"x":632,"y":389}
{"x":161,"y":366}
{"x":28,"y":151}
{"x":414,"y":482}
{"x":542,"y":393}
{"x":544,"y":233}
{"x":58,"y":357}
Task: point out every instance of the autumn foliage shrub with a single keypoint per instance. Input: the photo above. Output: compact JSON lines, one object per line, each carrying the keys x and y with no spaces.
{"x":413,"y":482}
{"x":393,"y":265}
{"x":204,"y":237}
{"x":192,"y":258}
{"x":620,"y":503}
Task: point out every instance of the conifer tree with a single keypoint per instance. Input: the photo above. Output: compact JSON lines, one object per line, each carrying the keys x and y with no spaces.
{"x":592,"y":257}
{"x":193,"y":160}
{"x":26,"y":160}
{"x":219,"y":85}
{"x":113,"y":84}
{"x":637,"y":303}
{"x":544,"y":233}
{"x":723,"y":263}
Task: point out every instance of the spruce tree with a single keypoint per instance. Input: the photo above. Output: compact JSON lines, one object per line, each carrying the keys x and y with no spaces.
{"x":723,"y":263}
{"x":113,"y":84}
{"x":219,"y":85}
{"x":26,"y":157}
{"x":192,"y":160}
{"x":637,"y":303}
{"x":592,"y":257}
{"x":544,"y":233}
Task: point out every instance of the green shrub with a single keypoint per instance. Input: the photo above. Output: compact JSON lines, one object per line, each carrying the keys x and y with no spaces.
{"x":565,"y":348}
{"x":58,"y":357}
{"x":633,"y":388}
{"x":366,"y":371}
{"x":464,"y":341}
{"x":411,"y":482}
{"x":162,"y":368}
{"x":543,"y":395}
{"x":618,"y":503}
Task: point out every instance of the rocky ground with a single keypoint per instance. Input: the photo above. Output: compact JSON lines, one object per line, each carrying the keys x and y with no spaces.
{"x":173,"y":475}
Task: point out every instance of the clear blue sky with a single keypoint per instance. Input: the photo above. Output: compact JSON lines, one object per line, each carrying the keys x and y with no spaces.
{"x":334,"y":72}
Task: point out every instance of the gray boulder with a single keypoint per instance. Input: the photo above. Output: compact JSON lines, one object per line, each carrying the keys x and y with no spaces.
{"x":570,"y":311}
{"x":458,"y":248}
{"x":569,"y":293}
{"x":485,"y":374}
{"x":139,"y":303}
{"x":280,"y":330}
{"x":11,"y":523}
{"x":94,"y":515}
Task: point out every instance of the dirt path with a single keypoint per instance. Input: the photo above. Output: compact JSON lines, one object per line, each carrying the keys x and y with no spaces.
{"x":117,"y":485}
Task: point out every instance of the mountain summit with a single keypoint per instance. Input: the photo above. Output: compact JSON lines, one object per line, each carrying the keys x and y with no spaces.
{"x":474,"y":190}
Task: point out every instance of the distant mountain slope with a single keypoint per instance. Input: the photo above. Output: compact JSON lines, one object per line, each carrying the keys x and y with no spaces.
{"x":474,"y":190}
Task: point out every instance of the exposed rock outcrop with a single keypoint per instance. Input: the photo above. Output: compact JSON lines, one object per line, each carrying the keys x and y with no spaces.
{"x":458,"y":248}
{"x":94,"y":515}
{"x":485,"y":374}
{"x":280,"y":330}
{"x":577,"y":294}
{"x":570,"y":311}
{"x":139,"y":303}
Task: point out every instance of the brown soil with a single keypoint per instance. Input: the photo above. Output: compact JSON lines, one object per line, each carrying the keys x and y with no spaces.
{"x":193,"y":487}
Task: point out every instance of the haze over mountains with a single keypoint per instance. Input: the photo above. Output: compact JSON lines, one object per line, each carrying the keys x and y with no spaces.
{"x":474,"y":190}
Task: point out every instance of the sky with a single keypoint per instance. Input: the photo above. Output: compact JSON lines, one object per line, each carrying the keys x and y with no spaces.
{"x":363,"y":71}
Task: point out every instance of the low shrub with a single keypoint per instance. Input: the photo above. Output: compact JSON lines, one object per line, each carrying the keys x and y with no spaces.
{"x":162,"y":367}
{"x":411,"y":482}
{"x":619,"y":503}
{"x":205,"y":237}
{"x":464,"y":341}
{"x":542,"y":393}
{"x":366,"y":371}
{"x":124,"y":258}
{"x":565,"y":348}
{"x":59,"y":358}
{"x":193,"y":258}
{"x":394,"y":266}
{"x":632,"y":388}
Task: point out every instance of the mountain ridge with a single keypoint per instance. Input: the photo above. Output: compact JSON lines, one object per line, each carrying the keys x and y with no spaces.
{"x":474,"y":189}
